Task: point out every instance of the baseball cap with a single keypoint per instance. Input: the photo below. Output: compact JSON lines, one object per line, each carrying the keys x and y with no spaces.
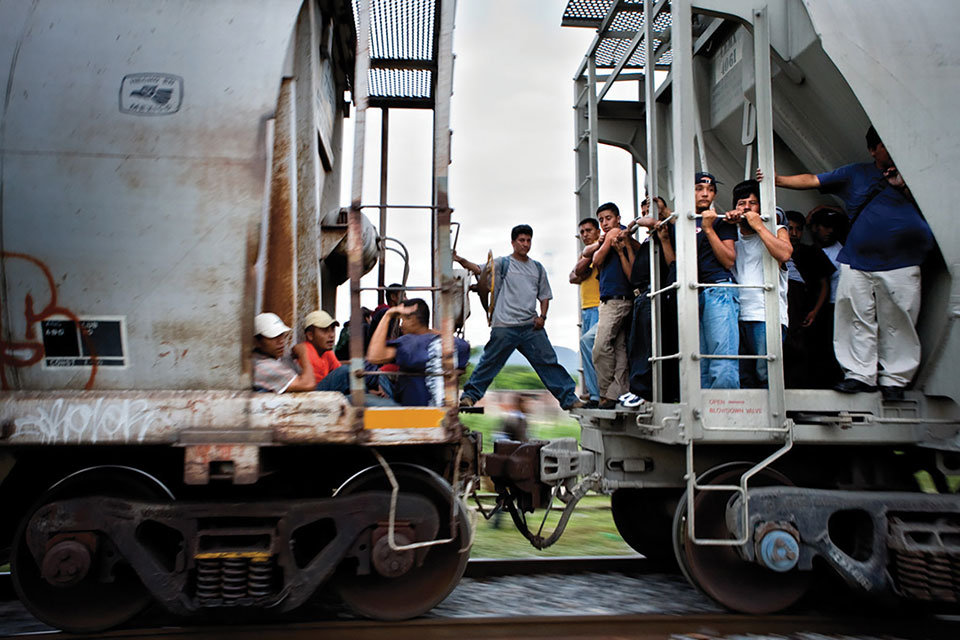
{"x":702,"y":177}
{"x":320,"y":319}
{"x":269,"y":325}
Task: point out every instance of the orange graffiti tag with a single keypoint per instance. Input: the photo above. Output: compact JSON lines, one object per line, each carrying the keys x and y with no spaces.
{"x":10,"y":350}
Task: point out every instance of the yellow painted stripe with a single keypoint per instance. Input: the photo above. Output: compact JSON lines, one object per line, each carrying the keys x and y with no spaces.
{"x":254,"y":556}
{"x":403,"y":418}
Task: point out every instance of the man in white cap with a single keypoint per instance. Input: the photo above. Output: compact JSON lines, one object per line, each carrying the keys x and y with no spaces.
{"x":271,"y":370}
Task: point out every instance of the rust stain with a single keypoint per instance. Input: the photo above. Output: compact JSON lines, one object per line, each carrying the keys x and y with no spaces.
{"x":280,"y":273}
{"x":8,"y":350}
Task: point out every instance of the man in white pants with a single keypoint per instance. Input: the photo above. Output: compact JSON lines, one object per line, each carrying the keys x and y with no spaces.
{"x":878,"y":297}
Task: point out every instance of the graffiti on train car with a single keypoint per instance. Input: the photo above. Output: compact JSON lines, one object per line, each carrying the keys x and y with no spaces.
{"x":126,"y":420}
{"x":29,"y":351}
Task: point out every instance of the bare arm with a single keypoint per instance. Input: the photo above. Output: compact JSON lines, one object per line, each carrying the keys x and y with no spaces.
{"x":306,"y":381}
{"x":601,"y":255}
{"x":824,"y":292}
{"x":466,"y":264}
{"x":663,"y":233}
{"x":581,"y":270}
{"x":798,"y":181}
{"x":777,"y":245}
{"x":378,"y":352}
{"x":725,"y":250}
{"x":542,"y":318}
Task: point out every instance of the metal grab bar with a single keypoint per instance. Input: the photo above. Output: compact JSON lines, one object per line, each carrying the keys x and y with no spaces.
{"x":718,"y":356}
{"x":723,"y":216}
{"x":730,"y":285}
{"x":740,"y":489}
{"x":670,"y":287}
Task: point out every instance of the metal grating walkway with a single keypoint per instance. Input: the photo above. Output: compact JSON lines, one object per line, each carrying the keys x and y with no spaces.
{"x":625,"y":23}
{"x":403,"y":46}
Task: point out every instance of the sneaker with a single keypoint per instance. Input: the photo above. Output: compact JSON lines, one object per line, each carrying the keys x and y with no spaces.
{"x":626,"y":396}
{"x":850,"y":385}
{"x":632,"y":401}
{"x":467,"y":401}
{"x":891,"y":394}
{"x":576,"y":405}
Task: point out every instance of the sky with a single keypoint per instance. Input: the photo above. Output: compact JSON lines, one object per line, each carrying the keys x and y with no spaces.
{"x":512,"y":154}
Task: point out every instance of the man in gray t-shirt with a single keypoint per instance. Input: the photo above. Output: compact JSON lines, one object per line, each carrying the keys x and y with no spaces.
{"x":520,"y":282}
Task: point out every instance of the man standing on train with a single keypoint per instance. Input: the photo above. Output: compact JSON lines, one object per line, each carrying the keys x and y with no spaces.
{"x":719,"y":306}
{"x":520,"y":282}
{"x":878,"y":296}
{"x":586,"y":276}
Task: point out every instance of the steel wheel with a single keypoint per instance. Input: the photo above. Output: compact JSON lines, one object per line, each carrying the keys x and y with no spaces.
{"x":107,"y":592}
{"x":417,"y":588}
{"x":643,"y":518}
{"x":719,"y":572}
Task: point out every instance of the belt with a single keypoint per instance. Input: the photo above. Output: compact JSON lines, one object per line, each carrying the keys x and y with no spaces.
{"x":605,"y":298}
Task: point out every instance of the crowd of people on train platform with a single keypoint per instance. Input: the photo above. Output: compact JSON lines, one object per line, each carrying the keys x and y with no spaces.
{"x":848,"y":302}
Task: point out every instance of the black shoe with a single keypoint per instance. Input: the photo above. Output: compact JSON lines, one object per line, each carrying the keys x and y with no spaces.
{"x":607,"y":404}
{"x":891,"y":394}
{"x":849,"y":385}
{"x":591,"y":404}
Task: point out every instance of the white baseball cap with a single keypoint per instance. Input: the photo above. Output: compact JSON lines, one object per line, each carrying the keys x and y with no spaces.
{"x":269,"y":325}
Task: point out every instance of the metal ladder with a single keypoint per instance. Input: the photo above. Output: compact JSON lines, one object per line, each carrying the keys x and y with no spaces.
{"x":686,"y":130}
{"x":440,"y":65}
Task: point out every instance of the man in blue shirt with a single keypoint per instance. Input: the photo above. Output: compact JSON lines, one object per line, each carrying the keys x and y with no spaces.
{"x":878,"y":296}
{"x":719,"y":305}
{"x":418,"y":350}
{"x":616,"y":307}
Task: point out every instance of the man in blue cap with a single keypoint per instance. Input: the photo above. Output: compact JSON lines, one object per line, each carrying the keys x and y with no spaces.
{"x":719,"y":306}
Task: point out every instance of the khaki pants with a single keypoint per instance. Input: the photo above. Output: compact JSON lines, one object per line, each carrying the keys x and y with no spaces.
{"x":610,"y":348}
{"x":874,"y":324}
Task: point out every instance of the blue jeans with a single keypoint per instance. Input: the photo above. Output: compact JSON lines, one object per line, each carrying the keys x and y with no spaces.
{"x":536,"y":348}
{"x":588,"y":335}
{"x":753,"y":341}
{"x":719,"y":335}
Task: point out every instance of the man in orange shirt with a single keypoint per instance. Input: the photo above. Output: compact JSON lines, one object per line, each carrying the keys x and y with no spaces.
{"x":320,"y":329}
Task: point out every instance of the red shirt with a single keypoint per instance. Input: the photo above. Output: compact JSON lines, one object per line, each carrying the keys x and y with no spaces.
{"x":322,"y":363}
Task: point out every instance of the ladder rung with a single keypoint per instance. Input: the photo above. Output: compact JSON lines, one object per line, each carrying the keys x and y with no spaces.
{"x":585,"y":182}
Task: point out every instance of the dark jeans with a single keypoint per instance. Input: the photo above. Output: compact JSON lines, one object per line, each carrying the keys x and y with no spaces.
{"x":640,"y":347}
{"x":536,"y":348}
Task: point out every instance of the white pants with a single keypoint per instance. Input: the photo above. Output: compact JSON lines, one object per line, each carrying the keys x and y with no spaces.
{"x":875,"y":324}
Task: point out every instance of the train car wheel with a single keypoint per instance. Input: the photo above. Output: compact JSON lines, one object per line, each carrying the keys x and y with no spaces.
{"x":643,"y":518}
{"x":400,"y":589}
{"x":719,"y":572}
{"x":82,"y":585}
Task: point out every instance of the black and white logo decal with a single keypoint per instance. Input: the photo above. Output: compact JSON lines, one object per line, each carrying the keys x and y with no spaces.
{"x":151,"y":94}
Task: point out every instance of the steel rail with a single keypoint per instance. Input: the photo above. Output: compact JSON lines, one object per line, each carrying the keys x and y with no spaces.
{"x":643,"y":627}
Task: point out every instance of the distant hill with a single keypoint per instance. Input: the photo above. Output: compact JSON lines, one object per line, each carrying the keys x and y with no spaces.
{"x":568,"y":358}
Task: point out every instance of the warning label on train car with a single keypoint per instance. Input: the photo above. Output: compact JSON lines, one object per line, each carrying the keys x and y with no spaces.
{"x":151,"y":94}
{"x":77,"y":344}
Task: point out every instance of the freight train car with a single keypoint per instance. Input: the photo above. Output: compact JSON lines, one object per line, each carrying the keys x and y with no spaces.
{"x":167,"y":171}
{"x":752,"y":490}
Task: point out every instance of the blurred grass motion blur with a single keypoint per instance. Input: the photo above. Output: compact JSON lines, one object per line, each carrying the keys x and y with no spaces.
{"x":590,"y":531}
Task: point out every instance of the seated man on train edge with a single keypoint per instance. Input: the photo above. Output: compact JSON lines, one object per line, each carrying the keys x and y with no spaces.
{"x":719,"y":306}
{"x":754,"y":239}
{"x":585,"y":275}
{"x":273,"y":371}
{"x":808,"y":290}
{"x":417,"y":350}
{"x":878,"y":296}
{"x":616,"y":306}
{"x":516,"y":326}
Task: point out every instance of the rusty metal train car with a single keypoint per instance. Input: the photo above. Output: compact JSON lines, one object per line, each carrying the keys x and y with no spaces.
{"x":167,"y":171}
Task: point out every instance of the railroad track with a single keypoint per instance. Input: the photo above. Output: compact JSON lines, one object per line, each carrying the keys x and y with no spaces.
{"x":643,"y":627}
{"x":497,"y":567}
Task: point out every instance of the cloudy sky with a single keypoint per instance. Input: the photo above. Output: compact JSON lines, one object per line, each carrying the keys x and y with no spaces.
{"x":512,"y":149}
